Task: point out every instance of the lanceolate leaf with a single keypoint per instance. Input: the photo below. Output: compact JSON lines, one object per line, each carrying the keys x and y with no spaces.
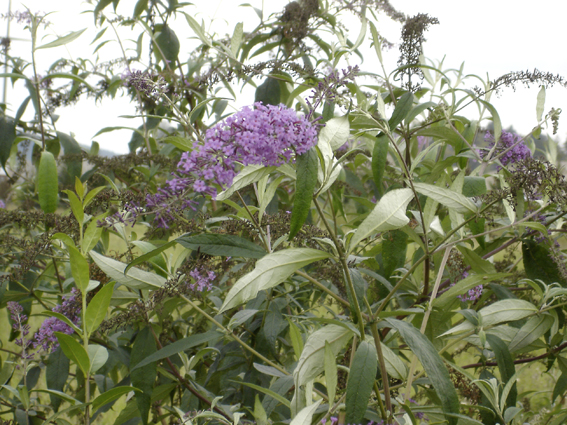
{"x":222,"y":245}
{"x":305,"y":416}
{"x":47,"y":182}
{"x":330,"y":372}
{"x":56,"y":374}
{"x":79,"y":268}
{"x":312,"y":360}
{"x":74,"y":351}
{"x":336,"y":132}
{"x":97,"y":308}
{"x":177,"y":347}
{"x":111,"y":395}
{"x":136,"y":278}
{"x":505,"y":364}
{"x":7,"y":137}
{"x":451,"y":199}
{"x":304,"y":186}
{"x":270,"y":271}
{"x":433,"y":365}
{"x":389,"y":214}
{"x":539,"y":265}
{"x":143,"y":377}
{"x":379,"y":159}
{"x":403,"y":107}
{"x":360,"y":382}
{"x":533,"y":329}
{"x":506,"y":311}
{"x":62,"y":40}
{"x":462,"y":286}
{"x":167,"y":43}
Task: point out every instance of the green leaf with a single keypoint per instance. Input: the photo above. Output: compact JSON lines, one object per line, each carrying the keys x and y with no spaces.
{"x":360,"y":382}
{"x":402,"y":109}
{"x":74,"y":351}
{"x":180,"y":143}
{"x":538,"y":263}
{"x":451,"y":199}
{"x":248,"y":175}
{"x":149,"y":255}
{"x":389,"y":214}
{"x":97,"y":308}
{"x":269,"y":92}
{"x":56,"y":374}
{"x":61,"y":41}
{"x":198,"y":30}
{"x":307,"y":166}
{"x":79,"y":268}
{"x":394,"y":364}
{"x":71,"y":147}
{"x":305,"y":416}
{"x":280,"y":386}
{"x":330,"y":373}
{"x":76,"y":207}
{"x":474,"y":186}
{"x":379,"y":159}
{"x":441,"y":133}
{"x":433,"y":365}
{"x":270,"y":271}
{"x":167,"y":44}
{"x":177,"y":347}
{"x":222,"y":245}
{"x":143,"y":377}
{"x":533,"y":329}
{"x":336,"y":132}
{"x":136,"y":278}
{"x":505,"y":365}
{"x":477,"y":263}
{"x":98,"y":356}
{"x":540,"y":103}
{"x":47,"y":182}
{"x":268,"y":392}
{"x":93,"y":233}
{"x":111,"y":395}
{"x":376,"y":41}
{"x":7,"y":137}
{"x":560,"y":387}
{"x":394,"y":249}
{"x":312,"y":360}
{"x":259,"y":413}
{"x":237,"y":37}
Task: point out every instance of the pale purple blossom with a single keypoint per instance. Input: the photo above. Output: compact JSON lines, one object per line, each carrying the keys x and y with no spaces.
{"x":71,"y":308}
{"x":2,"y":204}
{"x":519,"y":151}
{"x":202,"y":280}
{"x":19,"y":325}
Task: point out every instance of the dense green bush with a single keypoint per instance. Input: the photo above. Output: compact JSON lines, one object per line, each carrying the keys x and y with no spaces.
{"x":346,"y":246}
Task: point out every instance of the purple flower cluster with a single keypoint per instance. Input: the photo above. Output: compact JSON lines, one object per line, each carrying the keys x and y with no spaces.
{"x":19,"y":325}
{"x":203,"y":280}
{"x":326,"y":89}
{"x":71,"y":308}
{"x":267,"y":135}
{"x":2,"y":204}
{"x":518,"y":152}
{"x":472,"y":294}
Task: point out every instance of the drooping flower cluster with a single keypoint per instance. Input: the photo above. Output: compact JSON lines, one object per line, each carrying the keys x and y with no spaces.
{"x":19,"y":325}
{"x":203,"y":280}
{"x":327,"y":89}
{"x":70,"y":308}
{"x":518,"y":152}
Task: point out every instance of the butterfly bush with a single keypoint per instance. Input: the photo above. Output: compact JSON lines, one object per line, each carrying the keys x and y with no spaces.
{"x":70,"y":308}
{"x":19,"y":325}
{"x":265,"y":135}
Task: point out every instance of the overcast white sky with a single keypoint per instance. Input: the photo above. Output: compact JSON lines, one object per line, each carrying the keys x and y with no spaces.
{"x":490,"y":36}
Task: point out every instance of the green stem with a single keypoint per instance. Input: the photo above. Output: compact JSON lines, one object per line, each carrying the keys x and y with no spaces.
{"x":383,"y":371}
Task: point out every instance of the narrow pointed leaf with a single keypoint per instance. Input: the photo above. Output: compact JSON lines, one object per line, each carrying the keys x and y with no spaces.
{"x":433,"y":365}
{"x":389,"y":214}
{"x":307,"y":165}
{"x":451,"y":199}
{"x":74,"y":351}
{"x":61,"y":41}
{"x":111,"y":395}
{"x":47,"y":182}
{"x":97,"y":308}
{"x":79,"y":268}
{"x":136,"y":278}
{"x":360,"y":382}
{"x":270,"y":271}
{"x":379,"y":159}
{"x":222,"y":245}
